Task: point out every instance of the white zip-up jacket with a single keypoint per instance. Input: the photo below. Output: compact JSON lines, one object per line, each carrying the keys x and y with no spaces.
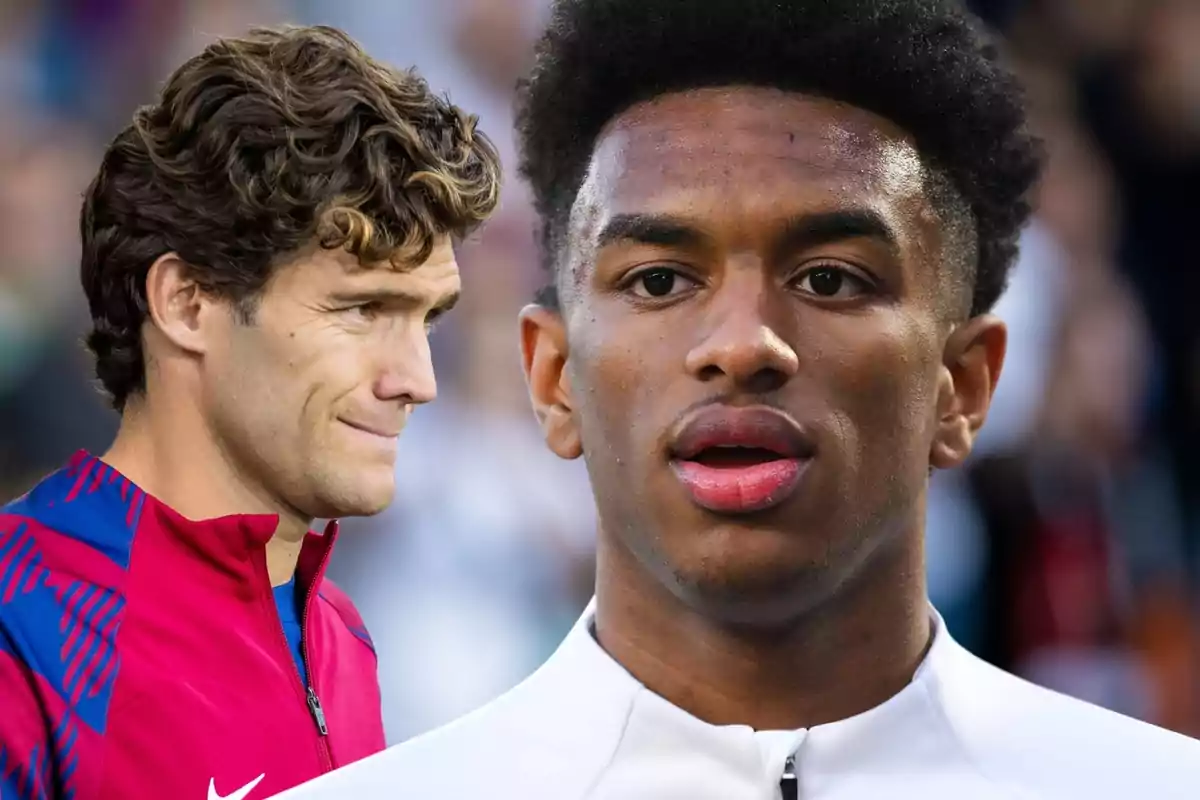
{"x":582,"y":728}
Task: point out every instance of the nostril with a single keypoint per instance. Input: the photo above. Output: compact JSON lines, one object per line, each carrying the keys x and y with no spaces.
{"x":766,"y":380}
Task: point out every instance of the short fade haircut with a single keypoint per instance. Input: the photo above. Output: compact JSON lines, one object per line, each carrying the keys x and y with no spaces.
{"x":925,"y":65}
{"x":259,"y":148}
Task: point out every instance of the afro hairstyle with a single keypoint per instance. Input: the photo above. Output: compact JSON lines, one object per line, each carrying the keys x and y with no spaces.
{"x":928,"y":66}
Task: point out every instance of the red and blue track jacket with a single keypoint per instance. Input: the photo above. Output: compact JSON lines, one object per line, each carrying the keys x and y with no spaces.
{"x":142,"y":655}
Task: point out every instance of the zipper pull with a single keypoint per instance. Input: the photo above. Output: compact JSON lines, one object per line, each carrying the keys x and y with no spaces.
{"x":789,"y":787}
{"x":318,"y":714}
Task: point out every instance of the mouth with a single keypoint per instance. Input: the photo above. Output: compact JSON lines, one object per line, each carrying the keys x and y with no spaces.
{"x":740,"y":461}
{"x":377,"y":433}
{"x":732,"y":456}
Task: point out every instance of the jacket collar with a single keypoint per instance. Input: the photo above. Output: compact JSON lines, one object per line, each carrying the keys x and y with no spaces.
{"x":581,"y":681}
{"x":234,"y":544}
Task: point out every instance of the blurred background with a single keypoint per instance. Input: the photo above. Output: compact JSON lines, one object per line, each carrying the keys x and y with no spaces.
{"x":1068,"y":551}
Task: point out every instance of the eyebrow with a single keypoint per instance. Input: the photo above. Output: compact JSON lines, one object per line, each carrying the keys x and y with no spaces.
{"x":807,"y":231}
{"x":662,"y":230}
{"x":442,"y":305}
{"x":801,"y":232}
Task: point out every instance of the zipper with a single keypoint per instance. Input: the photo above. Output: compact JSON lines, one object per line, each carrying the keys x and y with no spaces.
{"x":314,"y":702}
{"x":789,"y":787}
{"x":318,"y":714}
{"x":307,"y":692}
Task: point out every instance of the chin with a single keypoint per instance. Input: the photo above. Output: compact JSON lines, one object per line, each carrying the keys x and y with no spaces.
{"x":368,"y":493}
{"x":760,"y":583}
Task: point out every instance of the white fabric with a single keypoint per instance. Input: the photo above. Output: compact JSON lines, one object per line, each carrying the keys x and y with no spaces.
{"x":582,"y":727}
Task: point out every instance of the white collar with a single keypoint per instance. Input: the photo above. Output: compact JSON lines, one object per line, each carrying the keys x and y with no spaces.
{"x":581,"y":728}
{"x":891,"y":737}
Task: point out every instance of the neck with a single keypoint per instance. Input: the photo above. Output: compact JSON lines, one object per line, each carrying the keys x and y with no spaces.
{"x":841,"y":657}
{"x":175,"y":459}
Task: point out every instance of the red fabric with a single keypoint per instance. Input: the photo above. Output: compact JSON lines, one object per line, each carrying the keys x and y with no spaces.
{"x":200,"y":684}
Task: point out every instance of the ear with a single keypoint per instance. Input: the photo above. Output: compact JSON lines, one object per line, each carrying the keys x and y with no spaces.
{"x":176,"y":305}
{"x":971,"y":366}
{"x":544,"y":357}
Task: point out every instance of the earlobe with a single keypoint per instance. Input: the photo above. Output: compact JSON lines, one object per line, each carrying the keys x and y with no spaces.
{"x":974,"y":356}
{"x":544,"y":358}
{"x":175,"y":303}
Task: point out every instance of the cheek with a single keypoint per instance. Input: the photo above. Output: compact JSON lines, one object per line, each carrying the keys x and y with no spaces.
{"x":289,"y":378}
{"x":622,"y":376}
{"x":889,"y":392}
{"x":326,"y":375}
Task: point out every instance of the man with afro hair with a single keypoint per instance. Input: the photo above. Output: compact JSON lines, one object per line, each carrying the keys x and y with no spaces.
{"x":774,"y":230}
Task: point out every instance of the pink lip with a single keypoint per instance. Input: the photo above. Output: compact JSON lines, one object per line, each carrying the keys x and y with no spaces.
{"x":708,"y":459}
{"x":740,"y":490}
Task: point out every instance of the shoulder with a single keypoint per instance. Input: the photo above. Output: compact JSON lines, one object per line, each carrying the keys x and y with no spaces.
{"x":1024,"y":735}
{"x":532,"y":740}
{"x":80,"y":520}
{"x":64,"y":548}
{"x":485,"y":753}
{"x":336,"y":600}
{"x":62,"y":579}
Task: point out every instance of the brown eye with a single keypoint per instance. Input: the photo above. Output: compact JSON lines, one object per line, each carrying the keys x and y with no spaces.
{"x":831,"y":282}
{"x":659,"y":282}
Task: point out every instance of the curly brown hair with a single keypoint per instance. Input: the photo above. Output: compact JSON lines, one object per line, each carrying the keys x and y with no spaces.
{"x":257,"y":148}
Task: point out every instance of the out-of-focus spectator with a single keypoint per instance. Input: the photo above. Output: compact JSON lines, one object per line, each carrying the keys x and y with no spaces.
{"x":1086,"y":535}
{"x":18,"y":72}
{"x":200,"y":23}
{"x":48,"y":408}
{"x":1142,"y":101}
{"x":1166,"y":74}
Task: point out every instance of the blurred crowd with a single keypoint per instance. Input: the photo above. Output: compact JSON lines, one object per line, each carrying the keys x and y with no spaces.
{"x":1068,"y":551}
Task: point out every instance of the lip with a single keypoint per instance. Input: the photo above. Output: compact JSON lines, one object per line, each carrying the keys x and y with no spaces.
{"x":745,"y":488}
{"x":368,"y":429}
{"x":758,"y":427}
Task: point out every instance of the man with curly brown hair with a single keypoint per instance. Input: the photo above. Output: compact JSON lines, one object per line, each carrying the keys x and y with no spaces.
{"x":265,"y":249}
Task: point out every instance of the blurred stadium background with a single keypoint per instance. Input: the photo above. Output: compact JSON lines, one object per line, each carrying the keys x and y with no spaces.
{"x":1068,"y":552}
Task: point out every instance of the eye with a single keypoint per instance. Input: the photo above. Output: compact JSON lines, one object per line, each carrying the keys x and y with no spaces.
{"x":433,"y":318}
{"x":366,"y":311}
{"x":659,"y":282}
{"x":832,"y":283}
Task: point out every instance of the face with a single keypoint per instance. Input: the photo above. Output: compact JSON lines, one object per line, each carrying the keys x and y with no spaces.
{"x":310,"y":396}
{"x":758,"y":355}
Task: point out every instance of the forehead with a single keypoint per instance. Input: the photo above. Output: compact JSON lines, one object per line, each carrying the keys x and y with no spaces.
{"x":334,"y":271}
{"x":743,"y":158}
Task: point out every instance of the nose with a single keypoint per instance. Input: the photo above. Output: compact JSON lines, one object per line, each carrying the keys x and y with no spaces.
{"x":407,"y":374}
{"x":741,"y":344}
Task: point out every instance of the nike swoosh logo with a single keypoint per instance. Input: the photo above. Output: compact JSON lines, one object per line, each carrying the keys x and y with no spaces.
{"x":240,"y":794}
